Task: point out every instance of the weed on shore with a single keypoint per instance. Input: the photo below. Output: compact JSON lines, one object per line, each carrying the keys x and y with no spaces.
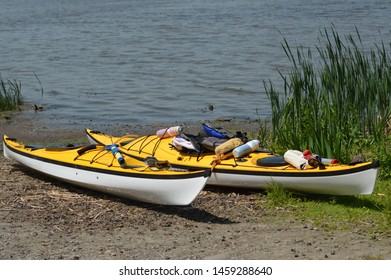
{"x":10,"y":95}
{"x":336,"y":103}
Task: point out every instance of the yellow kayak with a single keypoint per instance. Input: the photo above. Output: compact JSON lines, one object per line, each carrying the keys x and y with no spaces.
{"x":105,"y":168}
{"x":248,"y":171}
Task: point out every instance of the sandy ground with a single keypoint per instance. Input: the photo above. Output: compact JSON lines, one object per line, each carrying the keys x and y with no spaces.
{"x":41,"y":218}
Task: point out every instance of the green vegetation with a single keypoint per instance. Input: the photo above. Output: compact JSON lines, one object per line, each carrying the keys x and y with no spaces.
{"x":10,"y":95}
{"x":339,"y":105}
{"x":336,"y":103}
{"x":371,"y":214}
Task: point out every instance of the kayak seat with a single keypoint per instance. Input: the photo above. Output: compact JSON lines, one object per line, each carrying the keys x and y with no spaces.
{"x":272,"y":161}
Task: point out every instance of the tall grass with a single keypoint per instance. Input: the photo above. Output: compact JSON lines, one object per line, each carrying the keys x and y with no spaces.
{"x":338,"y":105}
{"x":10,"y":95}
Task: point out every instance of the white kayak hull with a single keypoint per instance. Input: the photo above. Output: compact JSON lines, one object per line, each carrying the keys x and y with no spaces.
{"x":166,"y":190}
{"x":353,"y":183}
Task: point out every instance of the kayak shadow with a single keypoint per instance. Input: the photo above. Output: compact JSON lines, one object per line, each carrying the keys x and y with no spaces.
{"x":189,"y":213}
{"x":353,"y":201}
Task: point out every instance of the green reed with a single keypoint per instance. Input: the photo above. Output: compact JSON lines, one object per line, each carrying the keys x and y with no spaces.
{"x":336,"y":105}
{"x":10,"y":95}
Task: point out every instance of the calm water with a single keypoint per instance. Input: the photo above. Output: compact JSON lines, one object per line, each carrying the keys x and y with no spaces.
{"x":116,"y":62}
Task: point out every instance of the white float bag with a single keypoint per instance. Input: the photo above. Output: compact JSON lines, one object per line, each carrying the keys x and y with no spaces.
{"x":296,"y":159}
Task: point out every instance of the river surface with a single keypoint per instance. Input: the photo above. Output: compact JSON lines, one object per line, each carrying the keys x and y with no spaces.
{"x":101,"y":62}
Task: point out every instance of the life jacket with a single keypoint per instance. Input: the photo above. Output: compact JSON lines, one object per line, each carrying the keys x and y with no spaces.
{"x":206,"y":141}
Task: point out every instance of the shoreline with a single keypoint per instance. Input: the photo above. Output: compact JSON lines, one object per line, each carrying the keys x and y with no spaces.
{"x":18,"y":125}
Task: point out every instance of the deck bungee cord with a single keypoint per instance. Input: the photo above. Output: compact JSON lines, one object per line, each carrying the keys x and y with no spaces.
{"x":150,"y":162}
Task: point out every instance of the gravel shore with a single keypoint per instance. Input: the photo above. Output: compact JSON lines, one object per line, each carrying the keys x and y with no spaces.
{"x":42,"y":218}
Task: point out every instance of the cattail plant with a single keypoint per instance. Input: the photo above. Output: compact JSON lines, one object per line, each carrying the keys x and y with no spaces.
{"x":334,"y":105}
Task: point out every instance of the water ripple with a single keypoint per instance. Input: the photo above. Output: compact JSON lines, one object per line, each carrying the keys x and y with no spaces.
{"x":135,"y":61}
